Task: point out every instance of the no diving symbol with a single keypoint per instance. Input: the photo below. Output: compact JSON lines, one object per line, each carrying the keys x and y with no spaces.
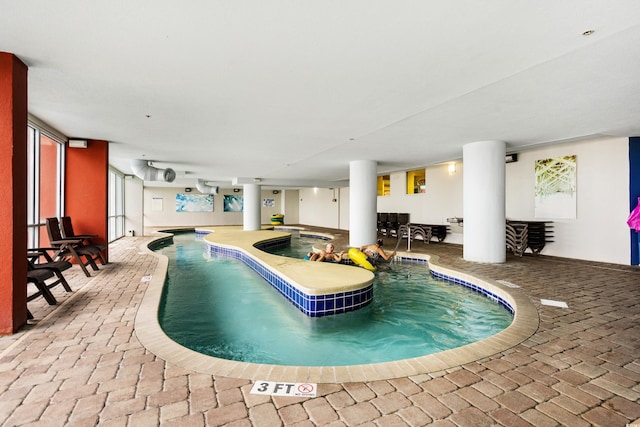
{"x":306,"y":388}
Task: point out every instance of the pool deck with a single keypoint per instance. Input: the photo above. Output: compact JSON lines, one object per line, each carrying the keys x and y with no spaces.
{"x":82,"y":362}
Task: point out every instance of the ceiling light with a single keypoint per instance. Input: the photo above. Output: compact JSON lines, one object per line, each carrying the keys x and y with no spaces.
{"x":588,"y":32}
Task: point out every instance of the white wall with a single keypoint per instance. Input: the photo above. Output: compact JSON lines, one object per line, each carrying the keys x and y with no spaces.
{"x":442,"y":199}
{"x":133,"y":202}
{"x":318,"y":208}
{"x":291,"y":203}
{"x":599,"y":233}
{"x":343,"y":206}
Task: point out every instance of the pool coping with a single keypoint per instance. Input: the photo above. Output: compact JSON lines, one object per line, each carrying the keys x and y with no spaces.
{"x":150,"y":334}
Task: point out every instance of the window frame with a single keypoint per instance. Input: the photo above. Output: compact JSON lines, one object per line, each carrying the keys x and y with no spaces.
{"x":384,"y":185}
{"x":35,"y":223}
{"x":116,"y":214}
{"x":416,"y":180}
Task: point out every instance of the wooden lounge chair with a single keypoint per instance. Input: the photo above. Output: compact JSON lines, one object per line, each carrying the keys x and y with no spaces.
{"x":392,"y":225}
{"x":382,"y":223}
{"x":38,"y":278}
{"x":39,"y":259}
{"x":69,"y":248}
{"x":87,"y":239}
{"x":401,"y":219}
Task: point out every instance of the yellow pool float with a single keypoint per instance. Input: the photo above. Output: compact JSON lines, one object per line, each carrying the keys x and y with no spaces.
{"x":359,"y":258}
{"x":277,"y":219}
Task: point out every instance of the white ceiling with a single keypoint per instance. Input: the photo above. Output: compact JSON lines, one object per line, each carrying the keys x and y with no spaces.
{"x":290,"y":91}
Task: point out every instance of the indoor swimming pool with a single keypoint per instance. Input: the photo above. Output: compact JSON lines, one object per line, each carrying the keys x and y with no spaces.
{"x":220,"y":307}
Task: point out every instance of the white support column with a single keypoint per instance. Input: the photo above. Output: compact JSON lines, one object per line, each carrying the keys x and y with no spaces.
{"x":363,"y":202}
{"x":484,"y":202}
{"x":251,"y":210}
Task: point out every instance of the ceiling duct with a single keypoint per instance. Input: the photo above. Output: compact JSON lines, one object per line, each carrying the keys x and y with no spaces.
{"x":143,"y":170}
{"x":206,"y":189}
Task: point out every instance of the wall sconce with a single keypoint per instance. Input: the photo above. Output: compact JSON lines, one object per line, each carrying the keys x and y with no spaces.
{"x":452,"y":168}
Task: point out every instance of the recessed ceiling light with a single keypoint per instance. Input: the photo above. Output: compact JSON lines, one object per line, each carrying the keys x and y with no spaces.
{"x":588,"y":32}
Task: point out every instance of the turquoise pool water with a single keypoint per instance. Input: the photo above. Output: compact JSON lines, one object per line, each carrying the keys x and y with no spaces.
{"x":220,"y":307}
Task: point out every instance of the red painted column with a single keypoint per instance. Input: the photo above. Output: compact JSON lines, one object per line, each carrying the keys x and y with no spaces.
{"x":13,"y":193}
{"x":87,"y":189}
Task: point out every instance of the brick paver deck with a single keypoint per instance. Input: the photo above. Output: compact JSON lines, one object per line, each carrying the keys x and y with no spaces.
{"x":81,"y":364}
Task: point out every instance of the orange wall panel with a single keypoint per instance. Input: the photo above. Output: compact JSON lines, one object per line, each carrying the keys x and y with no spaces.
{"x":86,"y":189}
{"x":13,"y":193}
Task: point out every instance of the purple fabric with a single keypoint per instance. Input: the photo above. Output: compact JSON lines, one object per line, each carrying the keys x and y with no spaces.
{"x":634,"y":217}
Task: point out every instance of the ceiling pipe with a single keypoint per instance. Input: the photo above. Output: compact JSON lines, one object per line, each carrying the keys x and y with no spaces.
{"x":206,"y":189}
{"x":143,"y":170}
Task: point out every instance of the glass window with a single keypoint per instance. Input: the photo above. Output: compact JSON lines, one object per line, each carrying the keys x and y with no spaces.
{"x":384,"y":185}
{"x":48,"y":177}
{"x":416,"y":181}
{"x":45,"y":157}
{"x":33,"y":231}
{"x":116,"y":205}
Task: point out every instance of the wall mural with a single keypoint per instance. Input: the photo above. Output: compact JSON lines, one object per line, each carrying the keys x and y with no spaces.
{"x":194,"y":202}
{"x":555,"y":191}
{"x":233,"y":203}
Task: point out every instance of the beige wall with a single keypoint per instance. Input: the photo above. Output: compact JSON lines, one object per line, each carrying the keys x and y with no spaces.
{"x":168,"y":217}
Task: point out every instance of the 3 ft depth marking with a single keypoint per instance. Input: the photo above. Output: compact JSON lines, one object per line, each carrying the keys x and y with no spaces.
{"x":284,"y":389}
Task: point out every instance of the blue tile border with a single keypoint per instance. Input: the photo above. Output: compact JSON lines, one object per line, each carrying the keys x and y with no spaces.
{"x":456,"y":280}
{"x":323,"y":305}
{"x":491,"y":295}
{"x":311,"y":305}
{"x":201,"y":233}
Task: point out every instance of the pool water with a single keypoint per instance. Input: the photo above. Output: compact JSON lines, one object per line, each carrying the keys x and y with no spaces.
{"x":220,"y":307}
{"x":300,"y":246}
